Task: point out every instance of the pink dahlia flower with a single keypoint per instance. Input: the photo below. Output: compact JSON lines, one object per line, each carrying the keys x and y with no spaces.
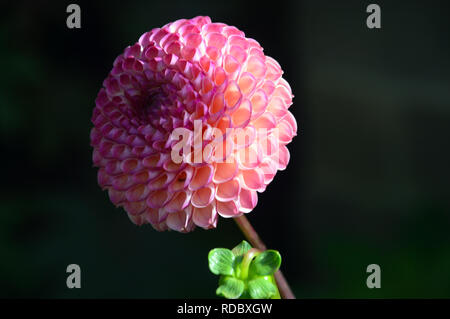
{"x":191,"y":123}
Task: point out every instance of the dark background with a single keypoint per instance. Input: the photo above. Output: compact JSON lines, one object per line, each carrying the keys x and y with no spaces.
{"x":368,"y":180}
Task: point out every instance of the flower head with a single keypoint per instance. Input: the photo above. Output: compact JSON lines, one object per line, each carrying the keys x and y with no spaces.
{"x":191,"y":123}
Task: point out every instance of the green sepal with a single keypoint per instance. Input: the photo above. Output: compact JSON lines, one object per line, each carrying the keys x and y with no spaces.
{"x":230,"y":287}
{"x":220,"y":261}
{"x":241,"y":249}
{"x":261,"y":288}
{"x":266,"y":263}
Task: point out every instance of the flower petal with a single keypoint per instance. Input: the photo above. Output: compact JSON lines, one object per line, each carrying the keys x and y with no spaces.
{"x":248,"y":200}
{"x":178,"y":202}
{"x":225,"y":171}
{"x":228,"y":190}
{"x":203,"y":196}
{"x":205,"y":217}
{"x":227,"y":209}
{"x":252,"y":179}
{"x":202,"y":177}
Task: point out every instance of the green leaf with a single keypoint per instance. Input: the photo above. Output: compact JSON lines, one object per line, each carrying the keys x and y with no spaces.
{"x":220,"y":261}
{"x":230,"y":288}
{"x":241,"y":249}
{"x":261,"y":288}
{"x":266,"y":263}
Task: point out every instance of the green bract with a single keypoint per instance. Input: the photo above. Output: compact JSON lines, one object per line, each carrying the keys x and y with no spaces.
{"x":221,"y":261}
{"x":266,"y":263}
{"x":245,"y":272}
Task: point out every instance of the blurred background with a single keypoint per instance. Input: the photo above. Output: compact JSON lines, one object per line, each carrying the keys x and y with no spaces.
{"x":368,"y":180}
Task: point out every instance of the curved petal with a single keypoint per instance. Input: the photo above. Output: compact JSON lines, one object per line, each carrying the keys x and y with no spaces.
{"x":228,"y":191}
{"x":182,"y":180}
{"x":205,"y":217}
{"x":178,"y":202}
{"x":225,"y":171}
{"x":135,"y":208}
{"x":203,"y":196}
{"x":137,"y":193}
{"x":281,"y":157}
{"x":227,"y":209}
{"x":158,"y":199}
{"x":178,"y":221}
{"x":252,"y":179}
{"x":241,"y":117}
{"x":202,"y":177}
{"x":248,"y":200}
{"x":249,"y":158}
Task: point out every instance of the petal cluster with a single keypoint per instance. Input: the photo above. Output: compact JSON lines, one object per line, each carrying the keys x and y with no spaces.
{"x":196,"y":77}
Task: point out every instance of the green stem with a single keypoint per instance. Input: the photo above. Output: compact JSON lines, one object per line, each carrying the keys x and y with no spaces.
{"x":248,"y":257}
{"x":254,"y":239}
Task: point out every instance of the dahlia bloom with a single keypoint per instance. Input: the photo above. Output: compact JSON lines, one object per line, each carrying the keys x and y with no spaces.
{"x":191,"y":123}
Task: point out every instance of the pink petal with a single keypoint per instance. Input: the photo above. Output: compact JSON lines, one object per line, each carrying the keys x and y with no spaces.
{"x":228,"y":190}
{"x":137,"y":219}
{"x":137,"y":193}
{"x":227,"y":209}
{"x":219,"y":76}
{"x":241,"y":117}
{"x":292,"y":122}
{"x":282,"y":157}
{"x":268,"y":87}
{"x":218,"y":104}
{"x":247,"y":83}
{"x":216,"y":40}
{"x":179,"y":202}
{"x":143,"y":176}
{"x":177,"y":221}
{"x":230,"y":64}
{"x":205,"y":217}
{"x":151,"y":215}
{"x":237,"y":38}
{"x":232,"y":95}
{"x":135,"y":208}
{"x":249,"y":157}
{"x":256,"y":66}
{"x":248,"y":200}
{"x":158,"y":199}
{"x":259,"y":103}
{"x":203,"y":196}
{"x":244,"y":137}
{"x":277,"y":107}
{"x":284,"y":91}
{"x":161,"y":181}
{"x":238,"y":53}
{"x":269,"y":169}
{"x":152,"y":161}
{"x":122,"y":182}
{"x":116,"y":197}
{"x":193,"y":40}
{"x":103,"y":178}
{"x":225,"y":171}
{"x":252,"y":179}
{"x":202,"y":177}
{"x":182,"y":180}
{"x":265,"y":122}
{"x":285,"y":132}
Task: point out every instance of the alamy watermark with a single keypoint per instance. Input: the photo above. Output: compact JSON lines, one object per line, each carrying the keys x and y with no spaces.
{"x":214,"y":145}
{"x":373,"y":21}
{"x":74,"y":279}
{"x":374,"y":279}
{"x":73,"y":20}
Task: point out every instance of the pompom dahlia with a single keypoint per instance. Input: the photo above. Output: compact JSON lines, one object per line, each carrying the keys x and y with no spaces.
{"x":191,"y":123}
